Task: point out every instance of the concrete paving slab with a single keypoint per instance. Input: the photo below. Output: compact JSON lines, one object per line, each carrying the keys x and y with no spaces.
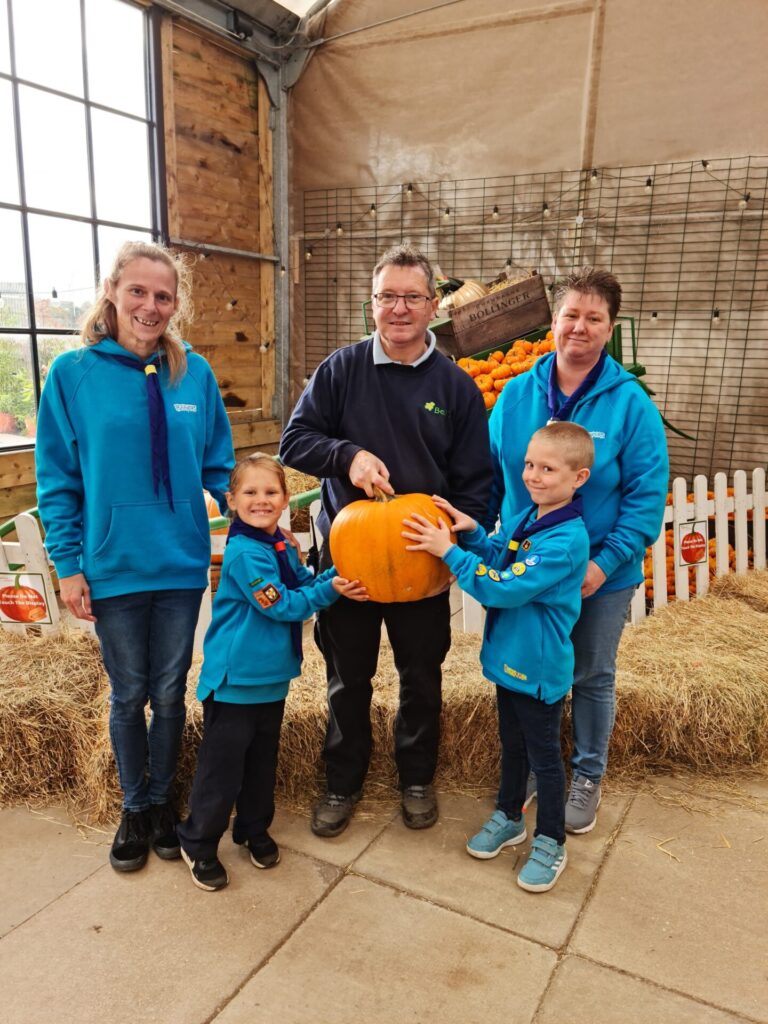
{"x":371,"y":955}
{"x":678,"y":902}
{"x":44,"y":855}
{"x":149,"y":946}
{"x":436,"y":865}
{"x":583,"y":993}
{"x":292,"y":831}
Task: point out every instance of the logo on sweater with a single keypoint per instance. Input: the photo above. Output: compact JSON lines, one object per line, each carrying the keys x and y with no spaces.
{"x":433,"y":407}
{"x":513,"y":672}
{"x":599,"y":434}
{"x":180,"y":407}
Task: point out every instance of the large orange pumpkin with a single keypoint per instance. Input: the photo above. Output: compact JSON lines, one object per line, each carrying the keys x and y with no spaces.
{"x":366,"y":545}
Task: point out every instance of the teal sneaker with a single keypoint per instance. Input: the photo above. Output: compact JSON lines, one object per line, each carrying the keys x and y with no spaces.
{"x":544,"y":865}
{"x":499,"y":831}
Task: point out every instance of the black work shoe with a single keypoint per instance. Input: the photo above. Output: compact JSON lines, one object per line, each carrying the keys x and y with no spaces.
{"x":263,"y":850}
{"x":207,"y":873}
{"x":130,"y":847}
{"x":419,"y":806}
{"x":331,"y":814}
{"x":162,"y":821}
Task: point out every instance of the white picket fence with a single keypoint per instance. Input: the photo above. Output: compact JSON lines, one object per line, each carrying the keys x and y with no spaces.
{"x":731,"y":521}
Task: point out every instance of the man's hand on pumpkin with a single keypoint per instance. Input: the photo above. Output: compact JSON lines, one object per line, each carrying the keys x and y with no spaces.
{"x":367,"y":472}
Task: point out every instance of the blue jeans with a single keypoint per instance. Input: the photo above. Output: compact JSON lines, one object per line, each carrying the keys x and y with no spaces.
{"x":529,"y":731}
{"x":595,"y":639}
{"x":146,"y":643}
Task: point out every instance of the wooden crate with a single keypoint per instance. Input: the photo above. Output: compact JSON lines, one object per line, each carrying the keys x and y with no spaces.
{"x":496,"y":318}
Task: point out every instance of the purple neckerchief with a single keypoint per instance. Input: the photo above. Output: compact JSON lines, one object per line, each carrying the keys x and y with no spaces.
{"x":287,"y":574}
{"x":563,"y":412}
{"x":158,"y":426}
{"x":573,"y":510}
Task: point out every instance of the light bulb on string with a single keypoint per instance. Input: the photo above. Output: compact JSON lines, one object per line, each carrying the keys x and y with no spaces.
{"x":545,"y":210}
{"x":231,"y":304}
{"x":409,"y":192}
{"x":339,"y":229}
{"x":282,"y":271}
{"x":715,"y":316}
{"x":54,"y":294}
{"x":705,"y":164}
{"x":654,"y":316}
{"x":744,"y":201}
{"x":593,"y":176}
{"x":447,"y":213}
{"x":372,"y":210}
{"x":495,"y":213}
{"x":649,"y":185}
{"x":308,"y":253}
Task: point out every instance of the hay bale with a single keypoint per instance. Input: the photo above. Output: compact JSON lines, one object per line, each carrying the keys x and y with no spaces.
{"x":692,"y":692}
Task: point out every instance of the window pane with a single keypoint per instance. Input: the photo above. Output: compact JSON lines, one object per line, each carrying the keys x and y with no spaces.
{"x":54,"y":151}
{"x":5,"y":55}
{"x":9,"y":179}
{"x":116,"y":73}
{"x":110,"y":240}
{"x":121,"y":168}
{"x":17,"y":392}
{"x":48,"y":44}
{"x":13,"y":288}
{"x":62,"y":262}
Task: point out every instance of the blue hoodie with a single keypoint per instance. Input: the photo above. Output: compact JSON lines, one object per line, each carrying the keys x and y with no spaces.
{"x":625,"y":496}
{"x":248,"y":657}
{"x":94,"y":473}
{"x":528,"y":648}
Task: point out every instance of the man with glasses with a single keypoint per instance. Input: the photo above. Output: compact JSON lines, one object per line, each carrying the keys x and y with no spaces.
{"x":390,"y":412}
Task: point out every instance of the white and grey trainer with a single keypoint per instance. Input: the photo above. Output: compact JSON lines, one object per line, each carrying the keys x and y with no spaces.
{"x":581,"y":805}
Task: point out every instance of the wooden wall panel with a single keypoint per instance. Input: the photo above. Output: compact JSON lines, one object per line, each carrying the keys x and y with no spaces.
{"x":219,"y":155}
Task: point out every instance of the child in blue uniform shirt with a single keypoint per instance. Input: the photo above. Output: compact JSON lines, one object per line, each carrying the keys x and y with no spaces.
{"x":251,"y":652}
{"x":530,"y":581}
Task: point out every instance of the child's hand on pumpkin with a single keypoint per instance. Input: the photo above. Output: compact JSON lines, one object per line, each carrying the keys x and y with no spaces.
{"x":353,"y":589}
{"x":428,"y":537}
{"x":461,"y":521}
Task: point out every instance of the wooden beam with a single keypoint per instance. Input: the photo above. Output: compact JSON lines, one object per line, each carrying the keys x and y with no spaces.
{"x":169,"y":119}
{"x":266,"y":245}
{"x":249,"y":435}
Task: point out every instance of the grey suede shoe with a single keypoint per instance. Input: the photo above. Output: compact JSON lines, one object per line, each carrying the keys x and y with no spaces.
{"x":419,"y":806}
{"x":331,"y":814}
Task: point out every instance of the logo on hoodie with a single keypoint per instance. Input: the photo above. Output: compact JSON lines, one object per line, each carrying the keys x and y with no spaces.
{"x":434,"y":408}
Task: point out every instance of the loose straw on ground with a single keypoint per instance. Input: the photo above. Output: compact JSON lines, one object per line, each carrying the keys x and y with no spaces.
{"x":692,"y":693}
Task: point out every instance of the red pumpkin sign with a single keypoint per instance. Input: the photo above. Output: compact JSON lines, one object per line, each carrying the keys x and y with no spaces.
{"x":22,"y":604}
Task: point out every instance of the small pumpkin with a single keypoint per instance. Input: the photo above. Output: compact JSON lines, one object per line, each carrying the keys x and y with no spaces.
{"x":214,"y":512}
{"x":366,"y":545}
{"x":22,"y":604}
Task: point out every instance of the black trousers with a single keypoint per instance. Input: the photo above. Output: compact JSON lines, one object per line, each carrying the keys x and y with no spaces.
{"x":348,"y":635}
{"x":529,"y":731}
{"x":236,"y":765}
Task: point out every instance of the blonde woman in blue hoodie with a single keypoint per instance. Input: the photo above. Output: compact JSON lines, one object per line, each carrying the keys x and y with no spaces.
{"x":131,"y":428}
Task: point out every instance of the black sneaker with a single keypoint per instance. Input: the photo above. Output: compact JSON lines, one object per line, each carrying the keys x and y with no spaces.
{"x":263,"y":850}
{"x":207,"y":873}
{"x":419,"y":806}
{"x":331,"y":814}
{"x":165,"y":842}
{"x":130,"y":847}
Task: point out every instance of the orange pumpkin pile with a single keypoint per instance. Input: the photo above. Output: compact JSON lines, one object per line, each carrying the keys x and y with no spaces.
{"x":492,"y":374}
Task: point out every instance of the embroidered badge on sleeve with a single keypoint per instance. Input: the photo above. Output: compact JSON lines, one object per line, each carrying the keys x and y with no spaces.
{"x":518,"y":568}
{"x":267,"y":596}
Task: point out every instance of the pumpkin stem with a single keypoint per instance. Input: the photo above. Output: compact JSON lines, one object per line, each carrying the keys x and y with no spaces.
{"x":379,"y":495}
{"x":16,"y":584}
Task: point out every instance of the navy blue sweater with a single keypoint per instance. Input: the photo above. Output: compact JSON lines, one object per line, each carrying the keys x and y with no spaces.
{"x":426,"y":423}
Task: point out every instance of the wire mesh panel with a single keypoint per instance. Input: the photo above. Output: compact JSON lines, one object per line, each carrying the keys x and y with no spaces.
{"x":686,"y":240}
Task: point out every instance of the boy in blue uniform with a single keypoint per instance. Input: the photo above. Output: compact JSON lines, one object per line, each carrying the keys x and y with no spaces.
{"x":530,"y":582}
{"x":251,"y":652}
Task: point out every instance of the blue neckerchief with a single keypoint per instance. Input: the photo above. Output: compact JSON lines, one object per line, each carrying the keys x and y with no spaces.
{"x":525,"y":528}
{"x":158,"y":425}
{"x":287,"y":574}
{"x":563,"y":412}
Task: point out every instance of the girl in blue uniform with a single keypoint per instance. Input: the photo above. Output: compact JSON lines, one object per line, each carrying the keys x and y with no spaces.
{"x":251,"y":652}
{"x":530,"y":581}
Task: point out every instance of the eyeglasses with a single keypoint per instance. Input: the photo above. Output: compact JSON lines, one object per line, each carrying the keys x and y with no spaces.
{"x":387,"y":300}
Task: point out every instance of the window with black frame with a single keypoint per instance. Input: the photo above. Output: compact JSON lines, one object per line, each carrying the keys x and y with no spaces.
{"x":76,"y":177}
